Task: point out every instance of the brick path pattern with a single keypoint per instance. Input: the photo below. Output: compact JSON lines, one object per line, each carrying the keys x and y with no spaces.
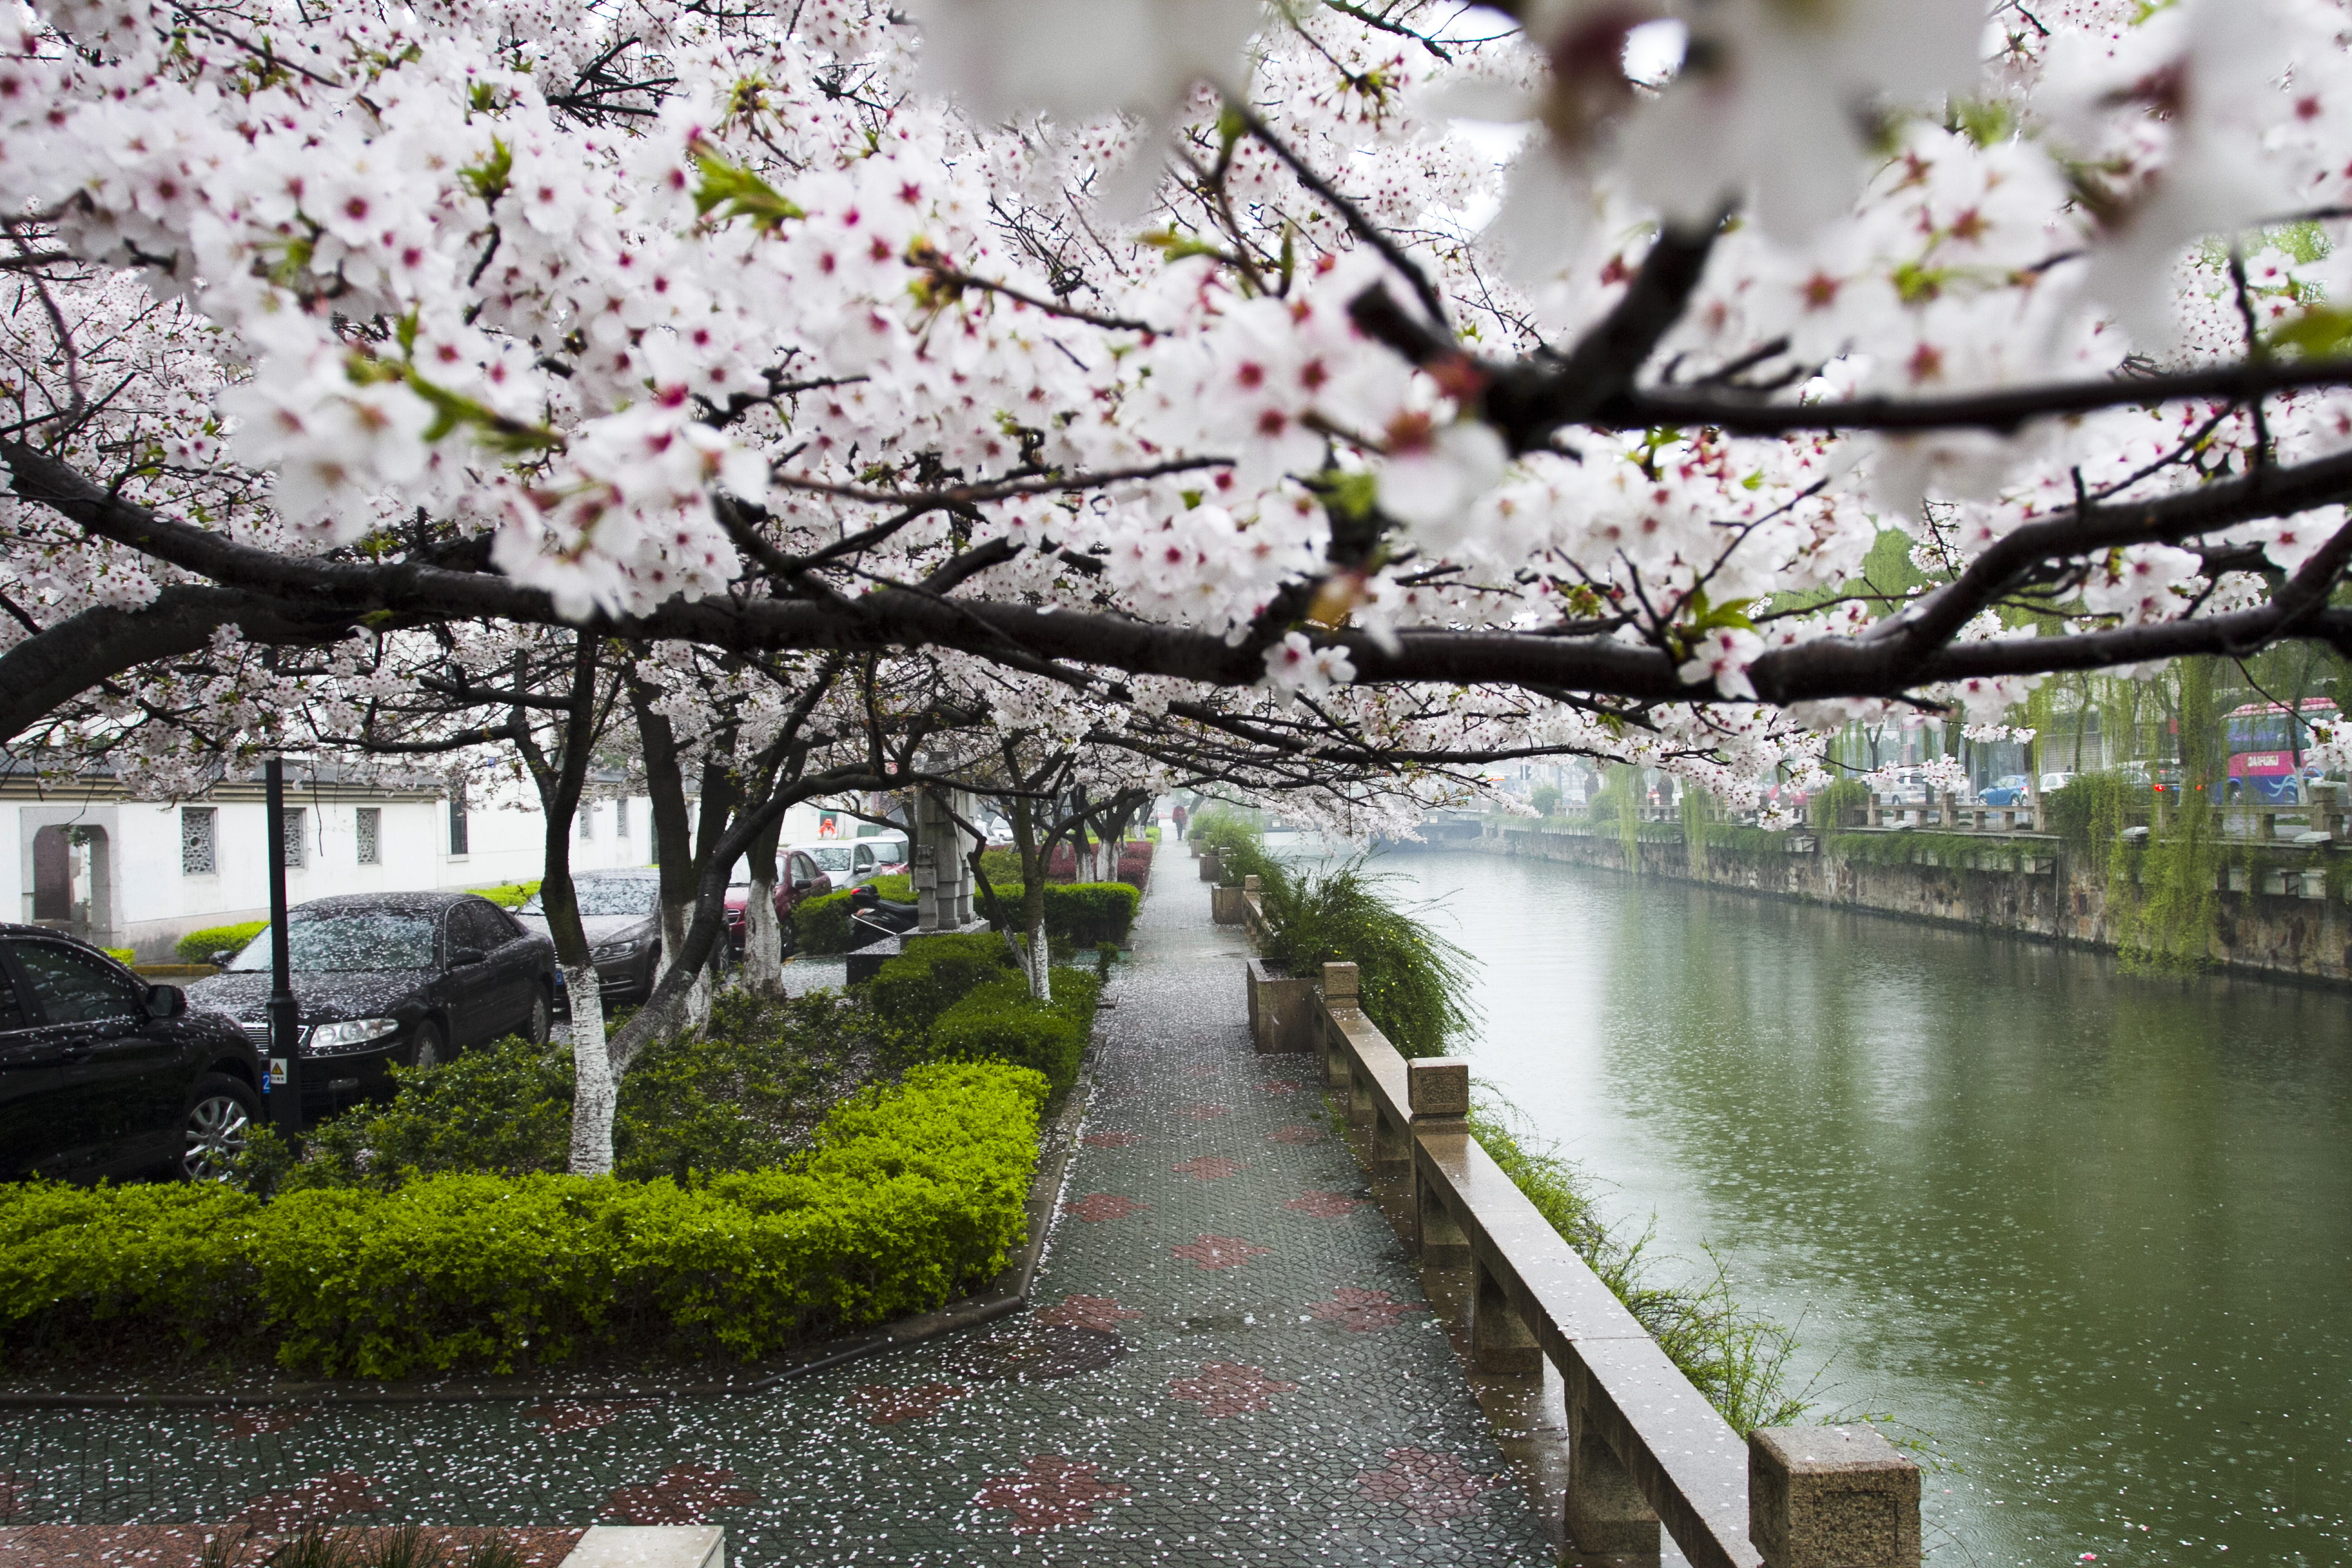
{"x":1228,"y":1360}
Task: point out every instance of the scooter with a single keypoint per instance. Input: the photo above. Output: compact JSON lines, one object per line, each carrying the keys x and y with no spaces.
{"x":873,"y":918}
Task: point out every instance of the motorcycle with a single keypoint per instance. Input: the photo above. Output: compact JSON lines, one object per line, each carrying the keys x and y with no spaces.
{"x":873,"y":918}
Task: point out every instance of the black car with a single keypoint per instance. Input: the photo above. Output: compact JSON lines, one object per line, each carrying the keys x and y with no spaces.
{"x":414,"y":978}
{"x":103,"y":1075}
{"x":620,"y":913}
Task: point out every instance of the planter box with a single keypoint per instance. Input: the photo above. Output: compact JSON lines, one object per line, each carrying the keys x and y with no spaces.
{"x":1282,"y":1011}
{"x":1209,"y":868}
{"x":1227,"y":906}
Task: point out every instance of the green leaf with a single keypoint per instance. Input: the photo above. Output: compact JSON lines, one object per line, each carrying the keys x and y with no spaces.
{"x":736,"y":192}
{"x":2322,"y":332}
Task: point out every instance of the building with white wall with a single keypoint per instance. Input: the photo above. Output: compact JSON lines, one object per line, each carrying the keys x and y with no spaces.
{"x":136,"y":874}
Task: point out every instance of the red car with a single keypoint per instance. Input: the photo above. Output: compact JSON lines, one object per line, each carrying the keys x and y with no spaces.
{"x":800,"y":879}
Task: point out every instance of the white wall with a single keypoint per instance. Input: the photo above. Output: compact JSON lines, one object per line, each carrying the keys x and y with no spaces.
{"x":153,"y":903}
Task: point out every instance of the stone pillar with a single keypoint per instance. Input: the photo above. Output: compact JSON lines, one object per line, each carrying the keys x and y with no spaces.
{"x":1441,"y":1241}
{"x":1831,"y":1497}
{"x":1607,"y":1514}
{"x":1499,"y":1340}
{"x":964,"y":878}
{"x":1338,"y":994}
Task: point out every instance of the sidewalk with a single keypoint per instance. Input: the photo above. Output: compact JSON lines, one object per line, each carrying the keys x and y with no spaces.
{"x":1228,"y":1360}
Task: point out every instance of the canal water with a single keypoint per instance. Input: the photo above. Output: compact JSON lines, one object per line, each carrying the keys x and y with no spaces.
{"x":2084,"y":1237}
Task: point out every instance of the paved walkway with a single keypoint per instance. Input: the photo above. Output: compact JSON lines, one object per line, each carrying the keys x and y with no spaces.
{"x":1228,"y":1361}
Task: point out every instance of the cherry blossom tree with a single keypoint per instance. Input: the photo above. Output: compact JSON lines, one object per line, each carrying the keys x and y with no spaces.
{"x":1200,"y":356}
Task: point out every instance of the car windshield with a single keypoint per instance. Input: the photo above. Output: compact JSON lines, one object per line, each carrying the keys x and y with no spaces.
{"x":362,"y":939}
{"x":608,"y":896}
{"x":619,"y":896}
{"x":830,"y":857}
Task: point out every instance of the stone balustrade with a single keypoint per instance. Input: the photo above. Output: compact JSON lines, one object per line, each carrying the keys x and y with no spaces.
{"x":1646,"y":1451}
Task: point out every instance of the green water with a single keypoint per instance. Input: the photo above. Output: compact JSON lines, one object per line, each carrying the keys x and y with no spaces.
{"x":2086,"y":1236}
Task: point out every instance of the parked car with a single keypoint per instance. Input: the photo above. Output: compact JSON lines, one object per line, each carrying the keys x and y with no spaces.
{"x":1910,"y":788}
{"x":800,"y":879}
{"x":379,"y":978}
{"x":2053,"y":783}
{"x":620,"y":913}
{"x":102,"y":1074}
{"x":2010,"y":789}
{"x":852,"y":862}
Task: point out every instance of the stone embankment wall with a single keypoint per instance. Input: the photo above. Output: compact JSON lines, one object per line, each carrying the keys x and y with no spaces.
{"x":2031,"y":886}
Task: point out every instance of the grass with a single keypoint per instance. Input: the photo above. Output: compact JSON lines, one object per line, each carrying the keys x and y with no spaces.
{"x":315,"y":1546}
{"x":1737,"y":1360}
{"x":1414,"y":983}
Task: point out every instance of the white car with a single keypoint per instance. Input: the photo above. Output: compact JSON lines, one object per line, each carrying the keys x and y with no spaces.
{"x":2052,"y":782}
{"x":850,"y":862}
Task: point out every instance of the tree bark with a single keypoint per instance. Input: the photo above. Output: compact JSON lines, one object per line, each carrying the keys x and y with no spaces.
{"x":764,"y":937}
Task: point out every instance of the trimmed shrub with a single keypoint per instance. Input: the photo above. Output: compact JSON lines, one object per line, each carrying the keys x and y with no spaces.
{"x":511,"y":895}
{"x":999,"y":1021}
{"x":1086,"y":913}
{"x":822,"y":925}
{"x":933,"y":973}
{"x":1080,"y":914}
{"x":743,"y":1095}
{"x":913,"y":1192}
{"x":199,"y":946}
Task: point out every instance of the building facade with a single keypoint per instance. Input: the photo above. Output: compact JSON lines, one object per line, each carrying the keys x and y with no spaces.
{"x":136,"y":874}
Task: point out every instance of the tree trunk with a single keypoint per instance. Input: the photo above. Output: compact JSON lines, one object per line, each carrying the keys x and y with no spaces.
{"x":595,"y":1095}
{"x":1034,"y":858}
{"x":559,"y":781}
{"x":763,"y":936}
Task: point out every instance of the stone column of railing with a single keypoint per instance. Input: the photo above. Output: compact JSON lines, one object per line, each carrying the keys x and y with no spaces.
{"x":1647,"y":1452}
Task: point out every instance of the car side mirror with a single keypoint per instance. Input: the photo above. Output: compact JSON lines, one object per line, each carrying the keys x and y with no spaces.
{"x":459,"y":957}
{"x":165,"y":1001}
{"x":801,"y":884}
{"x":220,"y":958}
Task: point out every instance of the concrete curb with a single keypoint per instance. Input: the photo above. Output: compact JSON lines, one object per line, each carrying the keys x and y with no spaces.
{"x":650,"y":1546}
{"x":1007,"y":1294}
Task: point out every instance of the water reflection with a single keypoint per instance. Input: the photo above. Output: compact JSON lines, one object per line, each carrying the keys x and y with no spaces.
{"x":2085,"y":1234}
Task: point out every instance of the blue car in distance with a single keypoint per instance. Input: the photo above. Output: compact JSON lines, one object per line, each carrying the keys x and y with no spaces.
{"x":2010,"y":789}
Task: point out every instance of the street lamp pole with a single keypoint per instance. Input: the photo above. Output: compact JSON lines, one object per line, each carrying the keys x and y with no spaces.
{"x":285,"y":1074}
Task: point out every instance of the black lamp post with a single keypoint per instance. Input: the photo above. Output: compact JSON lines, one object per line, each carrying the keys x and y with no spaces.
{"x":285,"y":1074}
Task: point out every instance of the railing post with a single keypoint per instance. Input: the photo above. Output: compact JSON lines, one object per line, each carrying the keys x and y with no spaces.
{"x":1438,"y":1091}
{"x":1831,"y":1497}
{"x":1607,"y":1514}
{"x":1499,"y":1340}
{"x":1340,"y":995}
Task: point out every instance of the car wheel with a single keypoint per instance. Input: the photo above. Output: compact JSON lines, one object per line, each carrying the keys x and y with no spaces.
{"x":788,"y":936}
{"x":431,"y":1050}
{"x":213,"y":1132}
{"x":542,"y":1017}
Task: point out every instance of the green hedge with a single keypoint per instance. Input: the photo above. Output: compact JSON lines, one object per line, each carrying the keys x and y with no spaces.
{"x":1081,"y":914}
{"x":998,"y":1021}
{"x":199,"y":946}
{"x":932,"y":973}
{"x":510,"y":895}
{"x":912,"y":1193}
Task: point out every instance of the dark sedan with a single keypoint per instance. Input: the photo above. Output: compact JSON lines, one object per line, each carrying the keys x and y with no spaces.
{"x":620,"y":913}
{"x":104,"y":1075}
{"x":379,"y":978}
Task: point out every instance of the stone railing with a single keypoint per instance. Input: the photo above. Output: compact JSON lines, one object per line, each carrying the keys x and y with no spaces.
{"x":1646,"y":1451}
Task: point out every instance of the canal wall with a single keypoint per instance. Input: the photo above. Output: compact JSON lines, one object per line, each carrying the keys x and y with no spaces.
{"x":2277,"y":912}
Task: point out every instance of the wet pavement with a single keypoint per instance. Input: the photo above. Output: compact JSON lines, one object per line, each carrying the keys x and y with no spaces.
{"x":1228,"y":1359}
